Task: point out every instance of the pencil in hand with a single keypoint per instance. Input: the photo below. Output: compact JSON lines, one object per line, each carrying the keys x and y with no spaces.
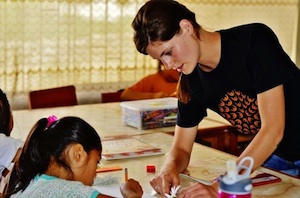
{"x":126,"y":174}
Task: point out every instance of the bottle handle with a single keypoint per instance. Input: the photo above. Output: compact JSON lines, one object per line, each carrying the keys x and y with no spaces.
{"x":246,"y":169}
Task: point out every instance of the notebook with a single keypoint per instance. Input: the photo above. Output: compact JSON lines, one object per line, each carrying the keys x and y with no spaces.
{"x":120,"y":147}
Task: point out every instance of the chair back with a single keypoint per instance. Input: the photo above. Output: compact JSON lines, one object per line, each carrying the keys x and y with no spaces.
{"x":54,"y":97}
{"x":111,"y":96}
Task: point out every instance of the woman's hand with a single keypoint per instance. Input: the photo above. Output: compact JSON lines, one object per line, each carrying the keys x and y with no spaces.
{"x":167,"y":178}
{"x":200,"y":190}
{"x":176,"y":161}
{"x":131,"y":189}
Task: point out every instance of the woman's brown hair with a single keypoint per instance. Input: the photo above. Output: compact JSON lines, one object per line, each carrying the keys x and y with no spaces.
{"x":158,"y":20}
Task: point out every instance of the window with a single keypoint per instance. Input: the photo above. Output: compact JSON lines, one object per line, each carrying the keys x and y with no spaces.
{"x":49,"y":43}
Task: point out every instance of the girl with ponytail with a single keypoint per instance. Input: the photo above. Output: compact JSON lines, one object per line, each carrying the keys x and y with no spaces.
{"x":59,"y":159}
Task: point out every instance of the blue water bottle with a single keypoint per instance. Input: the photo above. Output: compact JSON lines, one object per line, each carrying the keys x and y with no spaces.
{"x":236,"y":184}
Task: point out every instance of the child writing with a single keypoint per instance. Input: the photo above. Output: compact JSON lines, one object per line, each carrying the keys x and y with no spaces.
{"x":59,"y":159}
{"x":9,"y":147}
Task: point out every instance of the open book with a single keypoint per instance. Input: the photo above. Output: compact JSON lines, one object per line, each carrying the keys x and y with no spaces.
{"x":119,"y":147}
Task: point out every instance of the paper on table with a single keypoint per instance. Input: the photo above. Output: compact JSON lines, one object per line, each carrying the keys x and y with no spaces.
{"x":114,"y":190}
{"x":118,"y":147}
{"x":205,"y":171}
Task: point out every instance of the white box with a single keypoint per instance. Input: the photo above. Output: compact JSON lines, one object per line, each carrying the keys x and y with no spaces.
{"x":150,"y":113}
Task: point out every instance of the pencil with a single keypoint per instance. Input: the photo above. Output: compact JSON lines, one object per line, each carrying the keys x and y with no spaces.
{"x":107,"y":169}
{"x":126,"y":174}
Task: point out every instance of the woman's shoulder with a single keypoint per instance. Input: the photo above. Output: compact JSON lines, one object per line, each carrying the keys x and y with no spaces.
{"x":254,"y":34}
{"x":247,"y":26}
{"x":258,"y":29}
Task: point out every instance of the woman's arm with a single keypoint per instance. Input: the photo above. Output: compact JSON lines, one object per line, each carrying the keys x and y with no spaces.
{"x":271,"y":107}
{"x":182,"y":146}
{"x":176,"y":161}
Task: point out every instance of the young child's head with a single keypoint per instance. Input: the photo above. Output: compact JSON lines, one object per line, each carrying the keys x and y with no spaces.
{"x":6,"y":119}
{"x":67,"y":148}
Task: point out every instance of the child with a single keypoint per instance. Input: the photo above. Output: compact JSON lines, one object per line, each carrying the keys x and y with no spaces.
{"x":161,"y":84}
{"x":9,"y":146}
{"x":59,"y":159}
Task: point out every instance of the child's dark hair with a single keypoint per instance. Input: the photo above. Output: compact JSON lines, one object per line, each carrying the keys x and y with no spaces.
{"x":5,"y":114}
{"x":44,"y":144}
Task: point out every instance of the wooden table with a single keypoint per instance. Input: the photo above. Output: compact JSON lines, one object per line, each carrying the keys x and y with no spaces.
{"x":289,"y":187}
{"x":107,"y":120}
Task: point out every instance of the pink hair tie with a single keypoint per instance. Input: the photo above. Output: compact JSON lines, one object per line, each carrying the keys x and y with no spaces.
{"x":51,"y":119}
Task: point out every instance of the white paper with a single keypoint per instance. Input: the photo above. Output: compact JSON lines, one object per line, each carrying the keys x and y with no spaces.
{"x":114,"y":191}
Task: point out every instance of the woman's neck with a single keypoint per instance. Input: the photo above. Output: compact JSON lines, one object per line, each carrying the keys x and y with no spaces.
{"x":210,"y":50}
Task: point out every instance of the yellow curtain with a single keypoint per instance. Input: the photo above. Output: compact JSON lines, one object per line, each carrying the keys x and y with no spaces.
{"x":50,"y":43}
{"x":53,"y":43}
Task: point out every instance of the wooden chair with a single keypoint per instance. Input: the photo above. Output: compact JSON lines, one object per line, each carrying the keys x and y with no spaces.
{"x":225,"y":138}
{"x":54,"y":97}
{"x":111,"y":96}
{"x":217,"y":137}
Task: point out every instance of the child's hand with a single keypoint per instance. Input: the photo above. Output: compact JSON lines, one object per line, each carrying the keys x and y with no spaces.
{"x":131,"y":189}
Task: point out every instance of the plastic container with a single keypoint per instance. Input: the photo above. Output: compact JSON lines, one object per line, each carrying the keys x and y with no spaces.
{"x":150,"y":113}
{"x":234,"y":184}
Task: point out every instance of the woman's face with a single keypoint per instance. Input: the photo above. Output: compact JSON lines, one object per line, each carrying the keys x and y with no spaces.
{"x":180,"y":53}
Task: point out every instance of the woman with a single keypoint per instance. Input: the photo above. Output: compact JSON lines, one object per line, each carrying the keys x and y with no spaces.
{"x":242,"y":73}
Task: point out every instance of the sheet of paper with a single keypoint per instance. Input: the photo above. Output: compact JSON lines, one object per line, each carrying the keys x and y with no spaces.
{"x":207,"y":170}
{"x":119,"y":147}
{"x":114,"y":190}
